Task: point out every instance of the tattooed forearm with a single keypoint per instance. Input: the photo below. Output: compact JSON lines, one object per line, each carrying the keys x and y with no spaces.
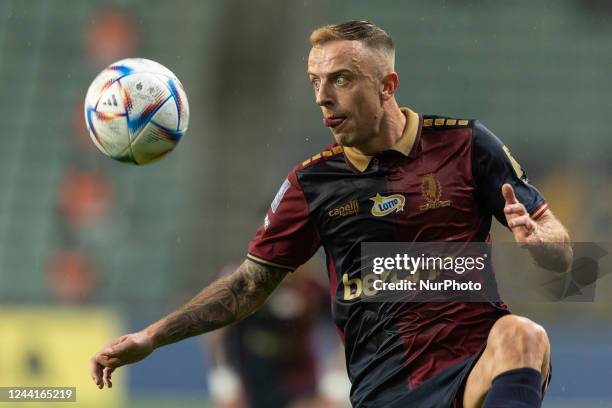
{"x":225,"y":301}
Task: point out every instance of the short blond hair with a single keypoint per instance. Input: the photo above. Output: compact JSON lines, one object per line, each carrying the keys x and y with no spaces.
{"x":363,"y":31}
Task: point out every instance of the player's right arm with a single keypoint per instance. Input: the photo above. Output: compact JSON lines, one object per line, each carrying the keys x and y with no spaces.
{"x":225,"y":301}
{"x":287,"y":239}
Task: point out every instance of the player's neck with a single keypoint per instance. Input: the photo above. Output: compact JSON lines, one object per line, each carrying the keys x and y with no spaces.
{"x":392,"y":125}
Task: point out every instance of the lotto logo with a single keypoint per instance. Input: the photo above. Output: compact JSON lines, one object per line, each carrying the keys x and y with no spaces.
{"x":386,"y":205}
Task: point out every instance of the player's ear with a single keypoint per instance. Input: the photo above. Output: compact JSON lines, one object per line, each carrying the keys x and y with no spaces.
{"x":389,"y":85}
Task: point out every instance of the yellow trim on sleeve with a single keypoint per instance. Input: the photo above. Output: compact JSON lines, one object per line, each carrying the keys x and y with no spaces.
{"x":263,"y":261}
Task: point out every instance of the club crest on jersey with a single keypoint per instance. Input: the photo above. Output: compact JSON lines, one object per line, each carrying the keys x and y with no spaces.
{"x":520,"y":173}
{"x":432,"y":191}
{"x":387,"y":205}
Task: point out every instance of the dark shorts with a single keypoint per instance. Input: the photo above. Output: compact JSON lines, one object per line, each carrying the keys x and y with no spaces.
{"x":445,"y":390}
{"x":440,"y":390}
{"x":458,"y":401}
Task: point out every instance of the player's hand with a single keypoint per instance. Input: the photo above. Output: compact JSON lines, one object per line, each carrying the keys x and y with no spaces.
{"x":525,"y":229}
{"x":126,"y":349}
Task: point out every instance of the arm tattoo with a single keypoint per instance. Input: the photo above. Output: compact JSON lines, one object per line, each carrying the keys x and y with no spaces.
{"x":225,"y":301}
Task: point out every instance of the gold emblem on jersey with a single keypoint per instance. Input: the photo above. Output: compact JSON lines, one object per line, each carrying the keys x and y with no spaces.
{"x":346,"y":209}
{"x":326,"y":153}
{"x":518,"y":170}
{"x":432,"y":192}
{"x":445,"y":122}
{"x":387,"y":205}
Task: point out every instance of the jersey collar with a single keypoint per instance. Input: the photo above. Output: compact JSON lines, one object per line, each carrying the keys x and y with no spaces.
{"x":404,"y":145}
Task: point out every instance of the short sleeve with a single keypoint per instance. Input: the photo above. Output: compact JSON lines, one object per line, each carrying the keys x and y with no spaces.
{"x":288,"y":237}
{"x":493,"y":166}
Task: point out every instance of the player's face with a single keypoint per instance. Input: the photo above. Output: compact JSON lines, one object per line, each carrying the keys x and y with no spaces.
{"x":347,"y":85}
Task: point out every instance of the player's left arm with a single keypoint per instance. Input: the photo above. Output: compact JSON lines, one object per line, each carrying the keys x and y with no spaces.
{"x":504,"y":189}
{"x":546,"y":238}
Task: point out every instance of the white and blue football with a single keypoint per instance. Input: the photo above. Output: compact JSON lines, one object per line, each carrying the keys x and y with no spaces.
{"x":136,"y":111}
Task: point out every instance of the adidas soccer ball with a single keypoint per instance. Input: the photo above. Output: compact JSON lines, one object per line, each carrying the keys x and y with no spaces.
{"x":136,"y":111}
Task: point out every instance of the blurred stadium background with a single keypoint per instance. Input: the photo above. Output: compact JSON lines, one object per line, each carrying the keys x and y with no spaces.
{"x":91,"y":248}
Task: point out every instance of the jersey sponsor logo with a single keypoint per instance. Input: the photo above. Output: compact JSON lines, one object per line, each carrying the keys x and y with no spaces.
{"x":387,"y":205}
{"x":520,"y":173}
{"x":279,"y":196}
{"x":344,"y":210}
{"x":432,"y":192}
{"x":364,"y":286}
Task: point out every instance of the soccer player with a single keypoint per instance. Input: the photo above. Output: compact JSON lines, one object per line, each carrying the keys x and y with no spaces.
{"x":391,"y":175}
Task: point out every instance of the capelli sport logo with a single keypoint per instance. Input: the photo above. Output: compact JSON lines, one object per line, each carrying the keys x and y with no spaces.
{"x":346,"y":209}
{"x":387,"y":205}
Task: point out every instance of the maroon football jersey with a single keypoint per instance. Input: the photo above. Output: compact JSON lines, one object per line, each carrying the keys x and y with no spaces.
{"x":440,"y":183}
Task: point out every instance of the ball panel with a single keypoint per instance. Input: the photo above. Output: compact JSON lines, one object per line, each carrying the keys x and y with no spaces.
{"x":98,"y":86}
{"x":167,"y":115}
{"x":144,"y":89}
{"x":143,"y":65}
{"x":104,"y":80}
{"x":120,"y":68}
{"x":169,"y":134}
{"x":137,"y":124}
{"x":181,"y":104}
{"x":110,"y":131}
{"x":151,"y":144}
{"x":126,"y":157}
{"x":145,"y":94}
{"x":111,"y":100}
{"x":93,"y":133}
{"x":184,"y":112}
